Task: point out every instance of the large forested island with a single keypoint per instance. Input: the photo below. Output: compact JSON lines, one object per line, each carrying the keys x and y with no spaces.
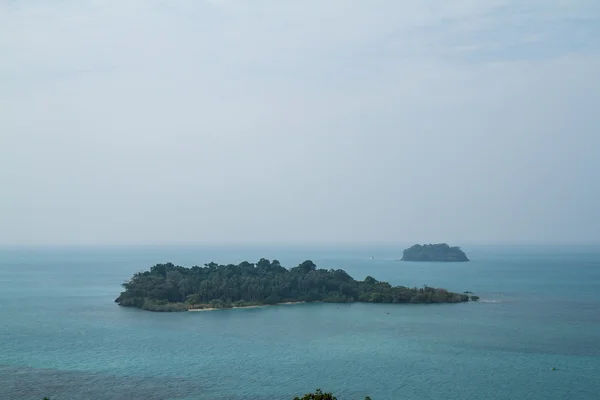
{"x":167,"y":287}
{"x":434,"y":252}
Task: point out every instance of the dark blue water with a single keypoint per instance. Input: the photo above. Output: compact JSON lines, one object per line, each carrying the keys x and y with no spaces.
{"x":62,"y":336}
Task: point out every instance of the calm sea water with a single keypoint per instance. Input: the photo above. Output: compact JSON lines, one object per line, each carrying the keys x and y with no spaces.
{"x":61,"y":335}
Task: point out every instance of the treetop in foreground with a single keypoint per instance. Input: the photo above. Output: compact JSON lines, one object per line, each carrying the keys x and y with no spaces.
{"x":167,"y":287}
{"x":434,"y":252}
{"x":319,"y":395}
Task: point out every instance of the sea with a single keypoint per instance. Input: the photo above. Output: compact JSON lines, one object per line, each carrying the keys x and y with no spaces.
{"x":534,"y":335}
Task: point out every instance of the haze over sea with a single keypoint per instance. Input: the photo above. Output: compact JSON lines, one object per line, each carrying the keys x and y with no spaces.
{"x":62,"y":335}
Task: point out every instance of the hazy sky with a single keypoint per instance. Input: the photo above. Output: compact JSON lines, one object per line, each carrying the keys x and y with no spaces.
{"x":299,"y":121}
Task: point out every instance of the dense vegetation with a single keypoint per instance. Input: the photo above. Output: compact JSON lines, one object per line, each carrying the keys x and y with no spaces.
{"x":167,"y":287}
{"x":434,"y":252}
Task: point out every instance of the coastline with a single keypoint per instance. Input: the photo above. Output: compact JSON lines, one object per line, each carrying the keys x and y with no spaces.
{"x":239,"y":307}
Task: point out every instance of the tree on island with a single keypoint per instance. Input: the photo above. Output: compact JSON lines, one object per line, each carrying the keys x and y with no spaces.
{"x":434,"y":252}
{"x":166,"y":287}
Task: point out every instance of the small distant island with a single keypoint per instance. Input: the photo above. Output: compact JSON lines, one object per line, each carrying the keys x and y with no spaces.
{"x":167,"y":287}
{"x":434,"y":252}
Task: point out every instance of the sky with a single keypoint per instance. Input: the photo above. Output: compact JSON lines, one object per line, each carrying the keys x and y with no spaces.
{"x":272,"y":121}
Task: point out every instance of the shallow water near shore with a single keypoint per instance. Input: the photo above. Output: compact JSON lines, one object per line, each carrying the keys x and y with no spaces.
{"x":61,"y":334}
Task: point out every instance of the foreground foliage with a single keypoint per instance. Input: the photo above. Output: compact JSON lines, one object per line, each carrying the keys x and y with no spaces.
{"x":319,"y":395}
{"x":167,"y":287}
{"x":434,"y":252}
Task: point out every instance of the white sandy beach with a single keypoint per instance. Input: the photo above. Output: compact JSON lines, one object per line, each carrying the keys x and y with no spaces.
{"x":257,"y":306}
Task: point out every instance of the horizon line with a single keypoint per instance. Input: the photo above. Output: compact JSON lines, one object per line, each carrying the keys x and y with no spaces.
{"x":295,"y":244}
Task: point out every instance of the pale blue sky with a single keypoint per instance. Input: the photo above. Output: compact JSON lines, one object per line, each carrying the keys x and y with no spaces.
{"x":299,"y":121}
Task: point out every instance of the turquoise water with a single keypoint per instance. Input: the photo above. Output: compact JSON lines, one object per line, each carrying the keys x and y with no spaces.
{"x":62,"y":335}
